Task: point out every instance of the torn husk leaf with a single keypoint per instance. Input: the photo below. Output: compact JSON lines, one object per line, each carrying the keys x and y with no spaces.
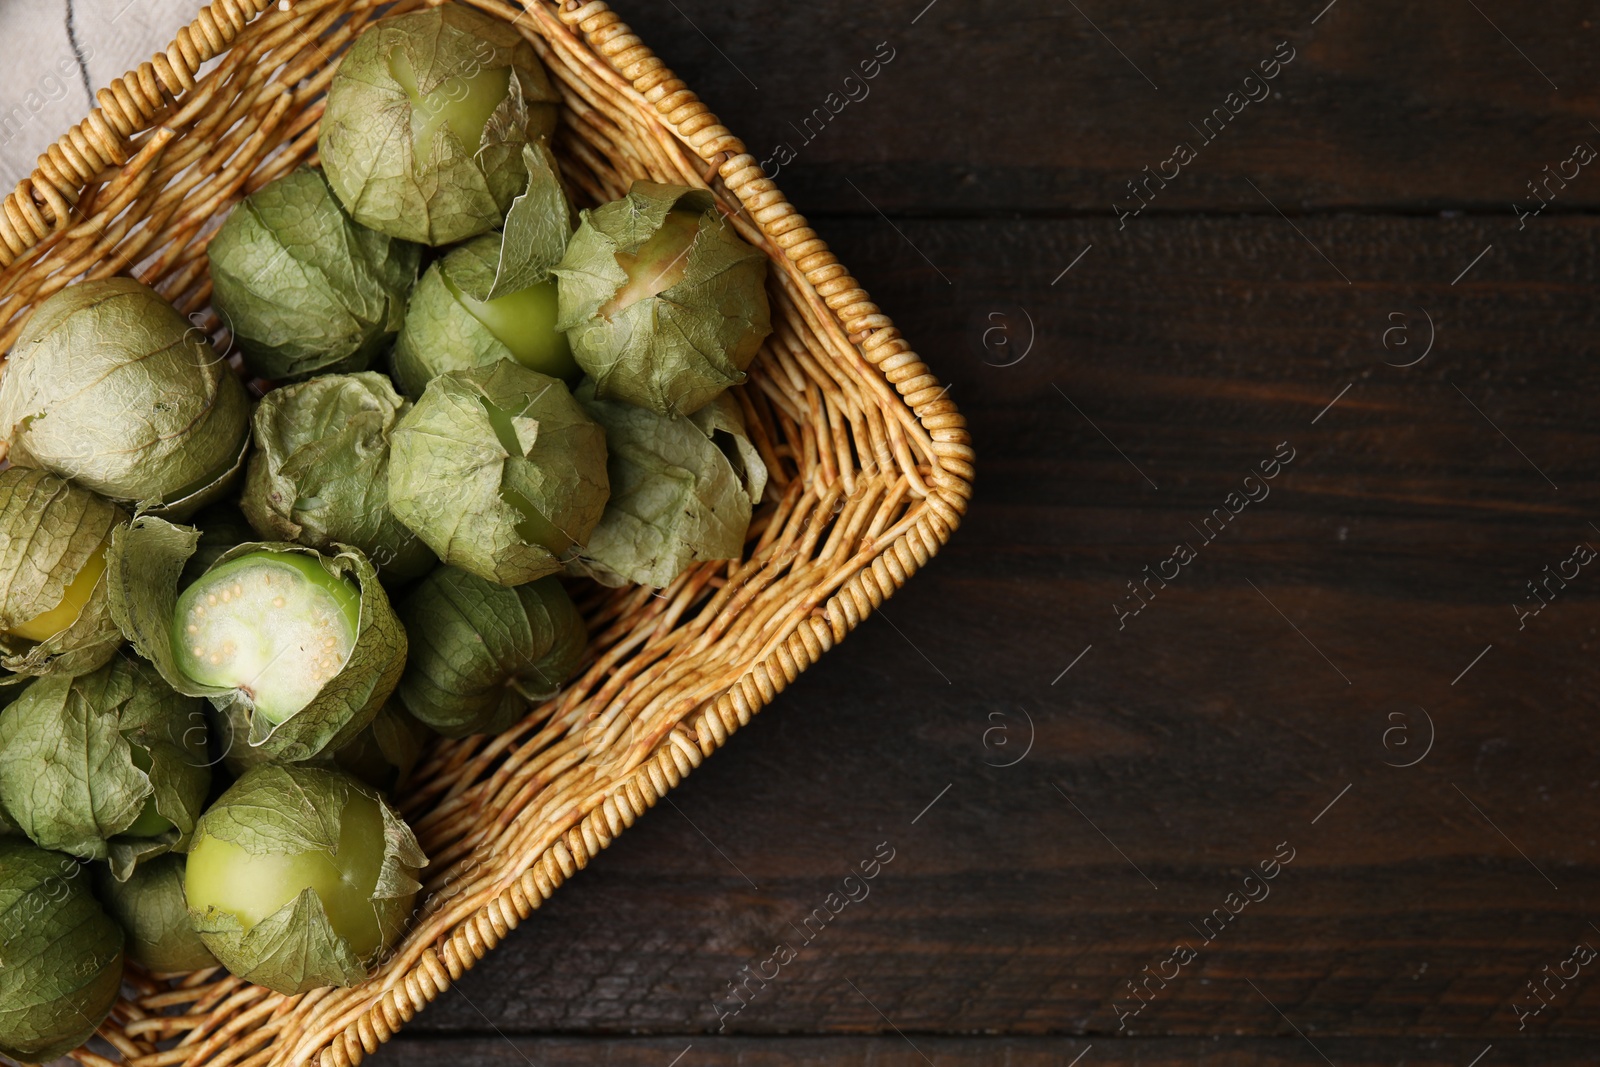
{"x":537,"y":227}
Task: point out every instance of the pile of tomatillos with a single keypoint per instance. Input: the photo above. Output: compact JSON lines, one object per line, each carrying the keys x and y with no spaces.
{"x":228,"y":626}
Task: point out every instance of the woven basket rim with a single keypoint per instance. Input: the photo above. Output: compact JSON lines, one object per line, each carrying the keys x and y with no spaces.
{"x":40,"y":208}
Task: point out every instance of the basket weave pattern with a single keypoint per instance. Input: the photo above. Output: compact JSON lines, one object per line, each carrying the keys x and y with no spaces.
{"x":870,"y":462}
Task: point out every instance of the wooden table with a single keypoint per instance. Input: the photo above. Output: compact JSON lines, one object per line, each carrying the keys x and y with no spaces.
{"x":1333,"y":675}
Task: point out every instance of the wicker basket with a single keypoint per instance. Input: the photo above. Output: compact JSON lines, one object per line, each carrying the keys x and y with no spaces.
{"x":871,"y":472}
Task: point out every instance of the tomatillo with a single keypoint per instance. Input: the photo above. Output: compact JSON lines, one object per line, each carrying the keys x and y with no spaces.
{"x":53,"y":612}
{"x":426,"y":120}
{"x":108,"y":765}
{"x":664,"y":304}
{"x":299,"y":647}
{"x":451,"y":326}
{"x":62,"y":954}
{"x":152,"y":909}
{"x":300,"y":876}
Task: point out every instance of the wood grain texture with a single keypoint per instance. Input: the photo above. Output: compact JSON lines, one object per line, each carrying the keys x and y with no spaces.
{"x":993,"y":106}
{"x":896,"y":1051}
{"x":1269,"y":676}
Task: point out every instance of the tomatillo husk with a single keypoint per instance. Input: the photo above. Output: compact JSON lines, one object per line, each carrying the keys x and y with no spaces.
{"x":303,"y":288}
{"x":109,"y":387}
{"x":151,"y":908}
{"x":109,"y":765}
{"x":426,"y":120}
{"x":682,"y":490}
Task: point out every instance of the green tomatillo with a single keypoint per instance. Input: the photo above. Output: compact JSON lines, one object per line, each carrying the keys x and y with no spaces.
{"x":109,"y":765}
{"x":53,"y":612}
{"x":303,"y":646}
{"x":500,"y":471}
{"x":151,"y":908}
{"x":301,"y":876}
{"x":663,"y":303}
{"x":426,"y":120}
{"x":61,"y":954}
{"x":320,"y":471}
{"x":450,"y":326}
{"x":302,"y":287}
{"x":484,"y":652}
{"x":682,"y":490}
{"x":109,"y":387}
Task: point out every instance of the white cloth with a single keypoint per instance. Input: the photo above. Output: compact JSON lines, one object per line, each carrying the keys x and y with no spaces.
{"x":43,"y":79}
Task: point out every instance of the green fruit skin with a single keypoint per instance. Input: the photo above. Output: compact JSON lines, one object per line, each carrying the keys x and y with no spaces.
{"x":252,"y":885}
{"x":460,"y":190}
{"x":63,"y":954}
{"x":481,"y":649}
{"x":302,"y":287}
{"x":445,"y":331}
{"x":154,"y":913}
{"x":110,"y":387}
{"x":277,"y":694}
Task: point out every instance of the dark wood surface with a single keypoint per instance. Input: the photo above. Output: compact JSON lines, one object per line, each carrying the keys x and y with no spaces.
{"x":1331,"y":630}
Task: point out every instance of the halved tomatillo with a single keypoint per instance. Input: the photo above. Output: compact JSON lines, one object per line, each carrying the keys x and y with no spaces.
{"x":301,"y":647}
{"x":275,"y":626}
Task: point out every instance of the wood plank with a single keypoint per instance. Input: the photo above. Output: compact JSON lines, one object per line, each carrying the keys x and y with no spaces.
{"x":1023,"y":106}
{"x":894,"y":1051}
{"x":1209,"y":730}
